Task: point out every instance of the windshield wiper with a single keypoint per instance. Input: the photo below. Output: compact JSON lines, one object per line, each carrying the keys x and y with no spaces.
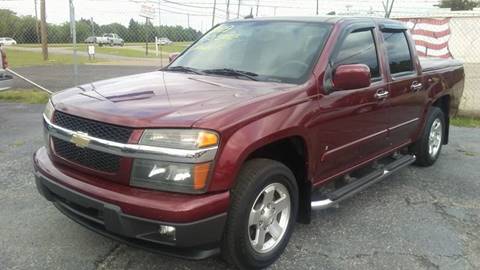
{"x":233,"y":72}
{"x":185,"y":69}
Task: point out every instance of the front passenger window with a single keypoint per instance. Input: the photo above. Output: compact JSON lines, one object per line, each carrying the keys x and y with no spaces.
{"x":359,"y":48}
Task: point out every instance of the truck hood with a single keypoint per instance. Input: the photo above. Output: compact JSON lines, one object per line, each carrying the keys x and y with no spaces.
{"x":159,"y":99}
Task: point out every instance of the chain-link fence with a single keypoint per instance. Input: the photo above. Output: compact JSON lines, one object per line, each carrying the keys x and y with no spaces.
{"x":452,"y":37}
{"x":120,"y":37}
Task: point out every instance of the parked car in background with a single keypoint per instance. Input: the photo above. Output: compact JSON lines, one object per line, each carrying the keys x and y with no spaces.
{"x":109,"y":39}
{"x":164,"y":41}
{"x":91,"y":40}
{"x":5,"y":79}
{"x":7,"y":41}
{"x":237,"y":139}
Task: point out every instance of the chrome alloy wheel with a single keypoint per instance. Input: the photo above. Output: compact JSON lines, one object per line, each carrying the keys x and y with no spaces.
{"x":269,"y":218}
{"x":435,"y":138}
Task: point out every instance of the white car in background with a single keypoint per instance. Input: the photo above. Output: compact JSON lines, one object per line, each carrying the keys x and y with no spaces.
{"x":164,"y":41}
{"x":7,"y":41}
{"x":111,"y":39}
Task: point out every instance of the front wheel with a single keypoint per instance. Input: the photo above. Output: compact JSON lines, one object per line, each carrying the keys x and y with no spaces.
{"x":427,"y":149}
{"x":262,"y":214}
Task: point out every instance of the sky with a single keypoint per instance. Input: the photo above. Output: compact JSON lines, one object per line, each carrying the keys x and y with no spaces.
{"x":198,"y":13}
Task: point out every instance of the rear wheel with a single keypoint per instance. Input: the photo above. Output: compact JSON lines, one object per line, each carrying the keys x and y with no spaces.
{"x":427,"y":149}
{"x":262,"y":214}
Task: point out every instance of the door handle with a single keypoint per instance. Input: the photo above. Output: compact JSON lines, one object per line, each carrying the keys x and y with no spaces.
{"x":416,"y":86}
{"x":381,"y":94}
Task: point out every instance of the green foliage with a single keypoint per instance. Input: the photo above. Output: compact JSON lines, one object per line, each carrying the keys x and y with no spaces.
{"x":465,"y":122}
{"x":459,"y":4}
{"x":23,"y":30}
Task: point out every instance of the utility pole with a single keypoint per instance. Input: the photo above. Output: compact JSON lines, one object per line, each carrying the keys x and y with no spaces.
{"x":238,"y":8}
{"x":146,"y":36}
{"x":258,"y":3}
{"x":188,"y":20}
{"x":73,"y":32}
{"x":228,"y":10}
{"x":37,"y":25}
{"x":93,"y":26}
{"x":317,"y":7}
{"x":274,"y":11}
{"x":213,"y":15}
{"x":43,"y":30}
{"x":159,"y":17}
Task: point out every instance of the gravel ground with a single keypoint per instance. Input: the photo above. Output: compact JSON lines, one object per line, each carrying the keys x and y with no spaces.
{"x":419,"y":218}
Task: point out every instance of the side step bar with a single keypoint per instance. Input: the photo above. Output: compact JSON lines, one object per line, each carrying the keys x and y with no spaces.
{"x":358,"y":185}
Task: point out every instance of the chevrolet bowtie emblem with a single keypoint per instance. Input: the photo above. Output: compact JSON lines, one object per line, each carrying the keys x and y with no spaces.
{"x":80,"y":139}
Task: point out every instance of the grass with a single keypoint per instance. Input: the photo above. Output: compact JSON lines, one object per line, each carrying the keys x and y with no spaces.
{"x":28,"y":96}
{"x":136,"y":49}
{"x":461,"y":121}
{"x":18,"y":58}
{"x":129,"y":50}
{"x":35,"y":45}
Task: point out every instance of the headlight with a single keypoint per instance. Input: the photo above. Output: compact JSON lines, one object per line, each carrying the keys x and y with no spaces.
{"x":49,"y":110}
{"x":174,"y":176}
{"x":169,"y":176}
{"x":188,"y":139}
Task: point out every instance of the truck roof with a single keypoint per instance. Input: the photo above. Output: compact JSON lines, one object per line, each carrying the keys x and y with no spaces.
{"x":325,"y":19}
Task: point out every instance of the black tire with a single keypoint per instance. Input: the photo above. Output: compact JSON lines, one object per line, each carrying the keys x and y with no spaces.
{"x":421,"y":147}
{"x":254,"y":176}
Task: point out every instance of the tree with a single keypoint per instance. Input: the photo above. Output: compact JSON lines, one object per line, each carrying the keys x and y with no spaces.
{"x":459,"y":4}
{"x":388,"y":6}
{"x":134,"y":30}
{"x":22,"y":29}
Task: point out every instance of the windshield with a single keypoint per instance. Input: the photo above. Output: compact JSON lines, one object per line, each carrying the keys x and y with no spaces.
{"x":282,"y":51}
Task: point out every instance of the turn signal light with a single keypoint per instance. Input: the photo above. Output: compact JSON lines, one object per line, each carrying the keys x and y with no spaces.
{"x":206,"y":139}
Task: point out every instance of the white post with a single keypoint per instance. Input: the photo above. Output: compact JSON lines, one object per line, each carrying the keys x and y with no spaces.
{"x":156,"y":45}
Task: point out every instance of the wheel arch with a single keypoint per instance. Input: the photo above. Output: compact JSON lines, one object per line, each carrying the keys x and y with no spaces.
{"x":292,"y":152}
{"x":443,"y":103}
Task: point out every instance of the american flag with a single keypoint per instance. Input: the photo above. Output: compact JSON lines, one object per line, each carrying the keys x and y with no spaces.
{"x":431,"y":36}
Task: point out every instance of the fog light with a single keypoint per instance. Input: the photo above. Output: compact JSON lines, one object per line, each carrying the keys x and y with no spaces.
{"x":168,"y":231}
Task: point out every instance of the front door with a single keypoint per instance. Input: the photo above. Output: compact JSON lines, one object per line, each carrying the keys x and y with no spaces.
{"x":353,"y":123}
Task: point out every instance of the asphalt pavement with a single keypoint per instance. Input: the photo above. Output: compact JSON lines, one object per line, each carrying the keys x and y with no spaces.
{"x":59,"y":77}
{"x":419,"y":218}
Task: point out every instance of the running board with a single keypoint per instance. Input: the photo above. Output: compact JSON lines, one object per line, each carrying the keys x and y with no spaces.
{"x":362,"y":183}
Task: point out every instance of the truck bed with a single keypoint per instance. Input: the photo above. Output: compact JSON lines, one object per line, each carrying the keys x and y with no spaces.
{"x":432,"y":63}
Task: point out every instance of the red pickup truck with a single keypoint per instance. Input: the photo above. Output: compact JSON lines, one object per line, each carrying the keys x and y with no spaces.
{"x":246,"y":132}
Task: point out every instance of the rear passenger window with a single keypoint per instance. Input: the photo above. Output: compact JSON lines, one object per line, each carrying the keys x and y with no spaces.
{"x":399,"y":57}
{"x":359,"y":48}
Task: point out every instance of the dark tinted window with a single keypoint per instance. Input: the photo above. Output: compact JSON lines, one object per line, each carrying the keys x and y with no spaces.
{"x":359,"y":48}
{"x":399,"y":57}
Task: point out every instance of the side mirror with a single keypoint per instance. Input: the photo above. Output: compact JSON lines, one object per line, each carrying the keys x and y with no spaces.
{"x":354,"y":76}
{"x":172,"y":56}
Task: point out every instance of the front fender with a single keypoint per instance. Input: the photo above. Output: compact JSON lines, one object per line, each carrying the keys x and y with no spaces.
{"x":235,"y":149}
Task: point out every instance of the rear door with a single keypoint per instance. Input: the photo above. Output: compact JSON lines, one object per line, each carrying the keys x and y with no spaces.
{"x":406,"y":94}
